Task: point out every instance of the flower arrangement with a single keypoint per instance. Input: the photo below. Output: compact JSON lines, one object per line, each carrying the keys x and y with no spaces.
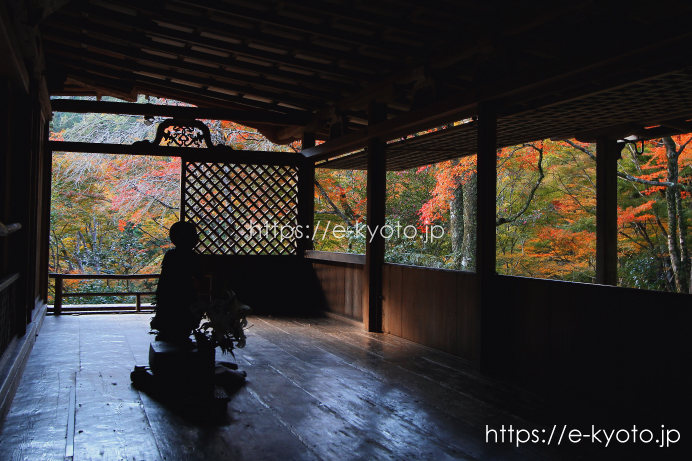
{"x":223,"y":323}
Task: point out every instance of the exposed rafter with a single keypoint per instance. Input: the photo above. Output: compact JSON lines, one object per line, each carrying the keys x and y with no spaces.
{"x":104,"y":107}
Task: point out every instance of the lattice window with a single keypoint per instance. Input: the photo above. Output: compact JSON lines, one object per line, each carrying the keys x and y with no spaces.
{"x":241,"y":209}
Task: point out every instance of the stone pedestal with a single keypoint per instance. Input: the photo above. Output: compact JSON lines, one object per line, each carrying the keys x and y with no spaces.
{"x":187,"y":370}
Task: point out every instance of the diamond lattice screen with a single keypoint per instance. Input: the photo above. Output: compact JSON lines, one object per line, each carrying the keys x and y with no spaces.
{"x":242,"y":209}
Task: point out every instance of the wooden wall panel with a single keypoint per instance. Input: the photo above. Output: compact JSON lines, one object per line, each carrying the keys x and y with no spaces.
{"x":335,"y":290}
{"x":563,"y":336}
{"x":443,"y":310}
{"x":437,"y":308}
{"x":356,"y":274}
{"x":391,"y":304}
{"x":468,"y":318}
{"x":341,"y":287}
{"x":567,"y":336}
{"x":413,"y":297}
{"x":349,"y":282}
{"x":273,"y":284}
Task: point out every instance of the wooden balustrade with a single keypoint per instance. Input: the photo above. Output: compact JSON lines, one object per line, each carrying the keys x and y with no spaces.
{"x":60,"y":293}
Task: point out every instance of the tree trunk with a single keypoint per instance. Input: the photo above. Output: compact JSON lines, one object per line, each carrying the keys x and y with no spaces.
{"x":468,"y":253}
{"x":676,"y":257}
{"x":682,"y":234}
{"x":456,"y":224}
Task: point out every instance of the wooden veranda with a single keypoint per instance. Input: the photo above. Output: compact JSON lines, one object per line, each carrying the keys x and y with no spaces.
{"x":358,"y":76}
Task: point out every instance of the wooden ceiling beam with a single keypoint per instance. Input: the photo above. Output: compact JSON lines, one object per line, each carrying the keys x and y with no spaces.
{"x":458,"y":10}
{"x":662,"y":57}
{"x":68,"y":36}
{"x":13,"y":66}
{"x":645,"y":134}
{"x":431,"y":116}
{"x":162,"y":88}
{"x":349,"y":11}
{"x":447,"y":57}
{"x":136,"y":70}
{"x":216,"y":79}
{"x":140,"y":39}
{"x":102,"y":88}
{"x":269,"y":17}
{"x":156,"y":110}
{"x":41,"y":9}
{"x":200,"y":99}
{"x":237,"y":101}
{"x":635,"y":130}
{"x":261,"y":37}
{"x":216,"y":153}
{"x":21,"y":40}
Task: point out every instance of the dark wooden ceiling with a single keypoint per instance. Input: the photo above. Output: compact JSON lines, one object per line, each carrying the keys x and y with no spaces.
{"x":323,"y":61}
{"x":641,"y":110}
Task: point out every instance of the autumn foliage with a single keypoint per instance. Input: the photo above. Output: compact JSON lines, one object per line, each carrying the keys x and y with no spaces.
{"x":546,"y":211}
{"x":110,"y":214}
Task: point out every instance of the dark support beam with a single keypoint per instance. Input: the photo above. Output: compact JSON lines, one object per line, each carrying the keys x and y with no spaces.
{"x":437,"y":114}
{"x":374,"y":247}
{"x":21,"y":206}
{"x":34,"y":223}
{"x":155,"y":110}
{"x":41,"y":9}
{"x":493,"y":314}
{"x":217,"y":153}
{"x":607,"y":154}
{"x":27,"y":37}
{"x":44,"y":210}
{"x":13,"y":66}
{"x":518,"y":93}
{"x":306,"y":197}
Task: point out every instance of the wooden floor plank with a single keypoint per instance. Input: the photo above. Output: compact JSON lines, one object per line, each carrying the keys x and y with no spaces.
{"x":36,"y":425}
{"x":400,"y":394}
{"x":340,"y":388}
{"x":443,"y":369}
{"x":110,"y":422}
{"x":317,"y":389}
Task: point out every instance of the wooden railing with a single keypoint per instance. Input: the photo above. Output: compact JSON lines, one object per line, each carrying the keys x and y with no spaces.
{"x":60,"y":293}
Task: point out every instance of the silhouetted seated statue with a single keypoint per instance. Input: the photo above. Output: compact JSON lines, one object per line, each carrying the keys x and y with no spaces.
{"x":181,"y":370}
{"x":176,"y":293}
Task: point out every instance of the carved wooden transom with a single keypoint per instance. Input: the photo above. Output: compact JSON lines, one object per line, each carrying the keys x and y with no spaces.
{"x":182,"y":133}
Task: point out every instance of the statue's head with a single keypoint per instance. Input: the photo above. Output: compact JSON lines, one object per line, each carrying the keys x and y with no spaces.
{"x":184,"y":235}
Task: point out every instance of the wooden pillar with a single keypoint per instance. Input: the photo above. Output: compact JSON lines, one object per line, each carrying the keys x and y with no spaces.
{"x":21,"y":207}
{"x":57,"y":302}
{"x":35,"y":194}
{"x":46,"y":179}
{"x":374,"y":247}
{"x":183,"y":187}
{"x":5,"y":171}
{"x":607,"y":154}
{"x":306,"y":197}
{"x":493,"y":309}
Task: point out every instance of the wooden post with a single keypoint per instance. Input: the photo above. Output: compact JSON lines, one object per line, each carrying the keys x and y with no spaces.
{"x":46,"y":172}
{"x":493,"y":312}
{"x":138,"y":305}
{"x":374,"y":247}
{"x":22,"y":206}
{"x":183,"y":167}
{"x":5,"y":169}
{"x":57,"y":306}
{"x":607,"y":154}
{"x":306,"y":197}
